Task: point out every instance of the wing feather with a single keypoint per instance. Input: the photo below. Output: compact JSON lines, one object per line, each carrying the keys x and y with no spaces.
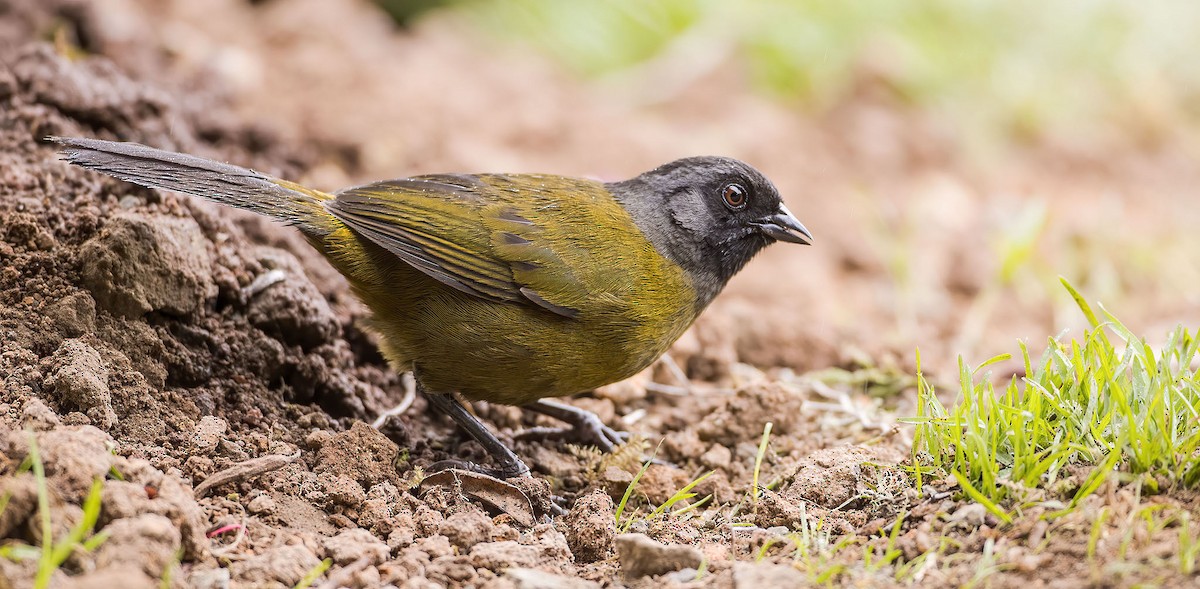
{"x":465,"y":233}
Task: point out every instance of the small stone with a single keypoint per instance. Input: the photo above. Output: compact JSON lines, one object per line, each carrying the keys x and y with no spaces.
{"x":144,"y":263}
{"x":660,"y":482}
{"x":377,"y":514}
{"x":149,"y":541}
{"x":523,"y":578}
{"x":717,"y":457}
{"x":79,"y":378}
{"x":427,"y":520}
{"x":550,"y":543}
{"x":434,"y":546}
{"x":79,"y":455}
{"x":294,"y":312}
{"x":498,"y":556}
{"x":123,"y":499}
{"x":361,"y":453}
{"x":970,"y":515}
{"x":641,"y":556}
{"x":260,"y":503}
{"x":37,"y":416}
{"x":343,"y":490}
{"x":831,"y":477}
{"x":350,"y":545}
{"x":74,"y":314}
{"x":591,"y":527}
{"x":124,"y":576}
{"x":285,"y":564}
{"x":747,"y":575}
{"x":208,"y":434}
{"x":681,"y":576}
{"x":401,"y":536}
{"x":467,"y":528}
{"x":616,"y":481}
{"x":215,"y":578}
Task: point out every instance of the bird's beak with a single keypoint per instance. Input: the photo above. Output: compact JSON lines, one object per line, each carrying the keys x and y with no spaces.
{"x":784,"y":226}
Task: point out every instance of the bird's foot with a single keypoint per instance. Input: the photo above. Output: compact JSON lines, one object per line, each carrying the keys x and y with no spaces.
{"x":585,"y":429}
{"x":602,"y":437}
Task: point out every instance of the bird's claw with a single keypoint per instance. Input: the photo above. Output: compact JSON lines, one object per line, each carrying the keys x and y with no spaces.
{"x":589,"y":432}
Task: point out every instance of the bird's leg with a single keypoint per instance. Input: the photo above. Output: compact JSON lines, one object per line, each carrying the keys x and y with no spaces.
{"x":586,"y":428}
{"x":510,"y":465}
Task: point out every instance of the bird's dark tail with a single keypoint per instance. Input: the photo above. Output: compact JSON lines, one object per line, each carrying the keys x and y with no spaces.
{"x":215,"y":181}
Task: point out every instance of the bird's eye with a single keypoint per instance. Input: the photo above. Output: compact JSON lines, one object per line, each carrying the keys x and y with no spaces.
{"x":734,"y":196}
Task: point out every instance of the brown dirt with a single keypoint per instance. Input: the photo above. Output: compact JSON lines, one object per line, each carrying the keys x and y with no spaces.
{"x":133,"y":350}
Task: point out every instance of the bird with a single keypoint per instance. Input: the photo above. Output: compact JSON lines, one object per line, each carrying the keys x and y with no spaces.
{"x":507,"y":288}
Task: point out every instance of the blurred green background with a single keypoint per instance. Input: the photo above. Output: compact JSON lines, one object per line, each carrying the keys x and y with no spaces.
{"x":1007,"y":71}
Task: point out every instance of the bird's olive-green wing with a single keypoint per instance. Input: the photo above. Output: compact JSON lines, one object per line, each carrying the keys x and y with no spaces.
{"x":502,"y":238}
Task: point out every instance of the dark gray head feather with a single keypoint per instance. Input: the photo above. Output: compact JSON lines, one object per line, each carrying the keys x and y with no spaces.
{"x":680,"y":208}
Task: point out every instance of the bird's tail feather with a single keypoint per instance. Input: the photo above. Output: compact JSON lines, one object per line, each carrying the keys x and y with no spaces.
{"x":223,"y":183}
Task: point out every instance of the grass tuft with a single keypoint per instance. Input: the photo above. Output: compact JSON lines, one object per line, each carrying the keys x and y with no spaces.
{"x":51,"y":553}
{"x":623,"y":527}
{"x":1111,"y":403}
{"x":681,"y":495}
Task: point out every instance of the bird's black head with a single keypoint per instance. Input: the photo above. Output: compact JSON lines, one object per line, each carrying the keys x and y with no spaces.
{"x":710,"y":215}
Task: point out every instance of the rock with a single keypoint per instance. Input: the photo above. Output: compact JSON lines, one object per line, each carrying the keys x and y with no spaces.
{"x":285,"y":564}
{"x":591,"y":527}
{"x":354,"y":543}
{"x":121,"y":499}
{"x":36,"y":416}
{"x":74,"y":314}
{"x":550,"y":543}
{"x":681,"y":576}
{"x":763,"y":575}
{"x":79,"y":379}
{"x":345,"y":491}
{"x":467,"y":528}
{"x":148,"y":541}
{"x":498,"y":556}
{"x":523,"y":578}
{"x":21,"y":501}
{"x":176,"y":501}
{"x":261,"y":503}
{"x":747,"y":575}
{"x":361,"y":453}
{"x":743,"y":416}
{"x":717,"y":457}
{"x":215,"y":578}
{"x":208,"y":434}
{"x":147,"y":490}
{"x":434,"y":546}
{"x":776,"y":510}
{"x":378,"y":512}
{"x":641,"y":556}
{"x":971,"y":515}
{"x":616,"y":481}
{"x":74,"y":457}
{"x":143,"y":263}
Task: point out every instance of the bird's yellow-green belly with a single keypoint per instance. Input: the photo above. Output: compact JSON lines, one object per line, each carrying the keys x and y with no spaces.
{"x":513,"y":353}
